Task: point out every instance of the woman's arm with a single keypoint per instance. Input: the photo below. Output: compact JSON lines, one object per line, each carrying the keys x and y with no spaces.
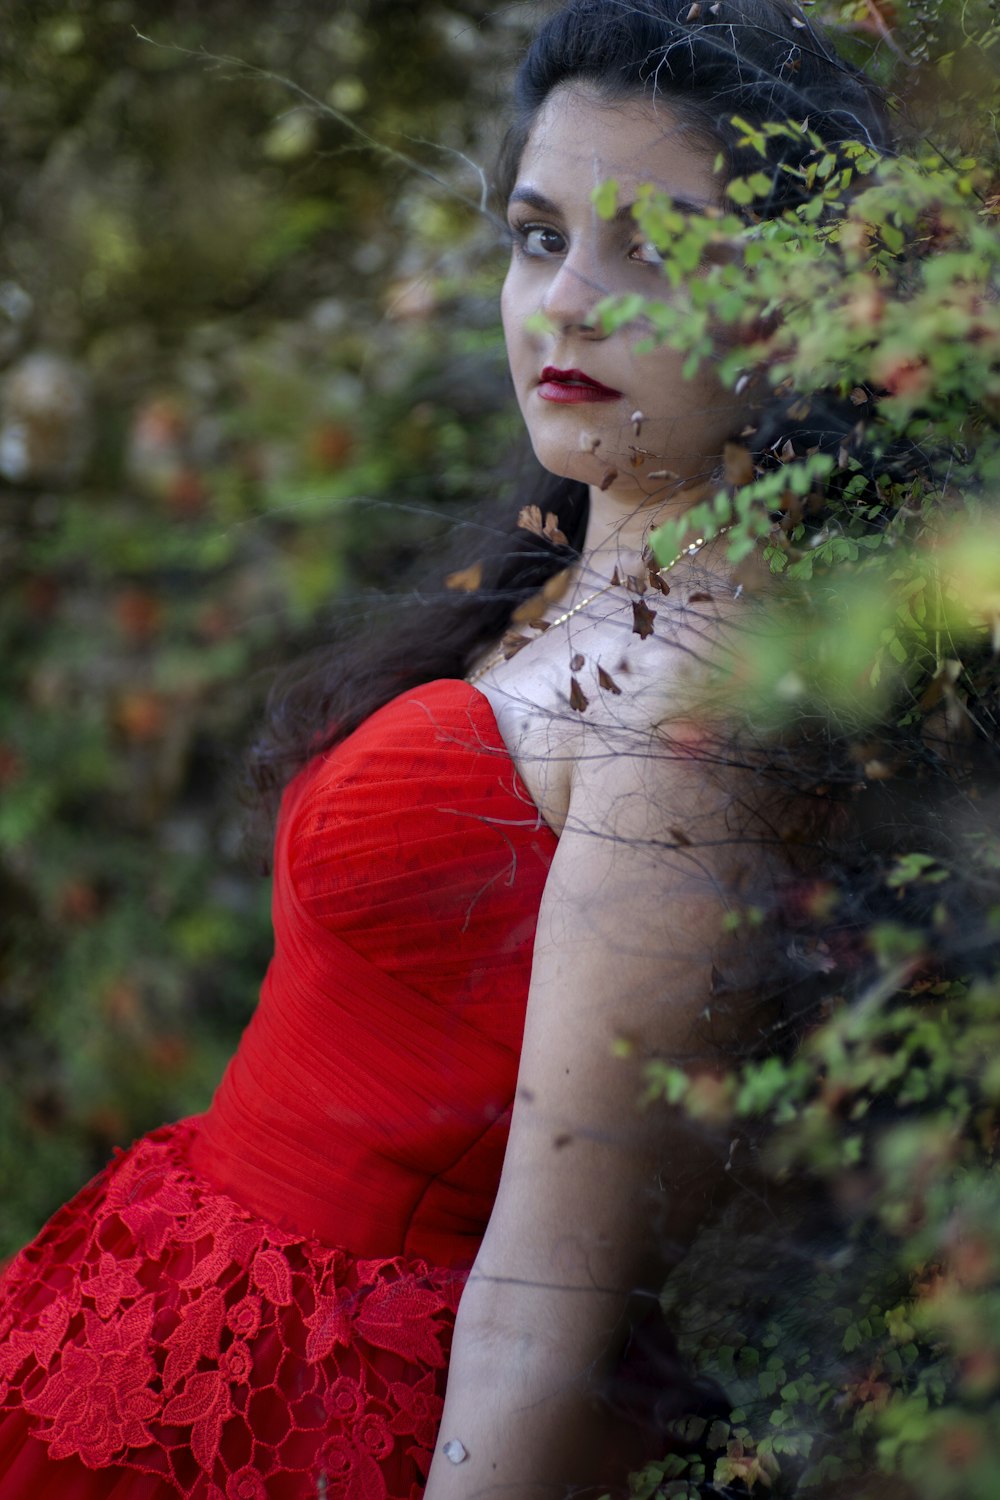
{"x":628,"y":929}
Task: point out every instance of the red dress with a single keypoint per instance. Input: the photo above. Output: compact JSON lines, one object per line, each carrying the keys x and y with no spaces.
{"x":257,"y":1303}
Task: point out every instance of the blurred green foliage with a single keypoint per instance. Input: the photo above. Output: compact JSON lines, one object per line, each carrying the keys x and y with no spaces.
{"x":249,"y":364}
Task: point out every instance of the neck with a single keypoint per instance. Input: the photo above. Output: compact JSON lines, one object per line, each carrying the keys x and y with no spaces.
{"x":618,"y":534}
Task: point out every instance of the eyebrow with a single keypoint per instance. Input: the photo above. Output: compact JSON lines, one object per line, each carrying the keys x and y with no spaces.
{"x":534,"y":199}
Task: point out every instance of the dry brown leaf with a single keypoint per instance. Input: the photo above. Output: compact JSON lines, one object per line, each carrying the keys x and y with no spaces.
{"x":578,"y":700}
{"x":553,"y":588}
{"x":529,"y":518}
{"x":512,"y":643}
{"x":529,"y":610}
{"x":680,"y":838}
{"x":466,"y":579}
{"x":551,"y":530}
{"x":942,"y":682}
{"x":792,"y":509}
{"x":608,"y":480}
{"x":607,"y":682}
{"x":738,"y":464}
{"x":658,"y":582}
{"x":577,"y":663}
{"x":642,"y":618}
{"x":859,"y":396}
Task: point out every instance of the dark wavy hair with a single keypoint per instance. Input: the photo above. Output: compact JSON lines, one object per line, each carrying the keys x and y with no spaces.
{"x":756,"y":60}
{"x":759,"y":60}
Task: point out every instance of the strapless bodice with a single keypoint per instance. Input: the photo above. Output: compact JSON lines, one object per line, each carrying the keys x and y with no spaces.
{"x":369,"y":1100}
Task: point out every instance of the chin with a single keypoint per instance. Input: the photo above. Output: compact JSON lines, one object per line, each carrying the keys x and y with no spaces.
{"x":592,"y":467}
{"x":578,"y":466}
{"x":560,"y":451}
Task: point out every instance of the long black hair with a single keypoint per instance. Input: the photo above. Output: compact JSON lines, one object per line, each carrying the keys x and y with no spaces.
{"x":759,"y":60}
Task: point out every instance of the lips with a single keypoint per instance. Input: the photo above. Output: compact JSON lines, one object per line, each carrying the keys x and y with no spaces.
{"x":567,"y":387}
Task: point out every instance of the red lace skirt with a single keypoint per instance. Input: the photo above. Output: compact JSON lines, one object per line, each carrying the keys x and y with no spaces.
{"x":157,"y":1339}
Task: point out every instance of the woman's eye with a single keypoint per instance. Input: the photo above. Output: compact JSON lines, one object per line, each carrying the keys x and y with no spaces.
{"x":538,"y":239}
{"x":647,"y":253}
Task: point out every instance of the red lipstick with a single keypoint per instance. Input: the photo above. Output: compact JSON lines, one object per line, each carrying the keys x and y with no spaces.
{"x":568,"y":387}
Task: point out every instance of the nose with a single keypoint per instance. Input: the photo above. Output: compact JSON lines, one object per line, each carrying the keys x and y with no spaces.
{"x":572,"y":296}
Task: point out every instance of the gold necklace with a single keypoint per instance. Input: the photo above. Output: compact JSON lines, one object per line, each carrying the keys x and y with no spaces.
{"x":691,"y":550}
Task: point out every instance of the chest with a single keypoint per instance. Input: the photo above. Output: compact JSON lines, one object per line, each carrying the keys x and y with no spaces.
{"x":593,"y":688}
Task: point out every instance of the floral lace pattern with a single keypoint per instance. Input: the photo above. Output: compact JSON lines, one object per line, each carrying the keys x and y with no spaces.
{"x":156,"y":1325}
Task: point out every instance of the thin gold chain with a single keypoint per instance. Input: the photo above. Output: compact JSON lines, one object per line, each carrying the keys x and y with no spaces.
{"x":691,"y":550}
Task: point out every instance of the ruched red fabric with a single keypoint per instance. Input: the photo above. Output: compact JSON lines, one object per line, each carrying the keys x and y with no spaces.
{"x":257,"y":1303}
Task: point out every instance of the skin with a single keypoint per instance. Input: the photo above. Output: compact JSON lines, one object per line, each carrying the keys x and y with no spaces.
{"x":630,"y":920}
{"x":565,"y":259}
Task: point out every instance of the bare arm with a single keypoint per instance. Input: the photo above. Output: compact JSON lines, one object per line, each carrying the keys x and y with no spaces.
{"x":625,"y":940}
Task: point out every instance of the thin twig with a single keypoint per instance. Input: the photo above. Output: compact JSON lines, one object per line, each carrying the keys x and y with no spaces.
{"x":321,"y":107}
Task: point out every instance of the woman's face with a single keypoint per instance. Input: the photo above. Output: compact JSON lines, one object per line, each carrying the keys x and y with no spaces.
{"x":575,"y":384}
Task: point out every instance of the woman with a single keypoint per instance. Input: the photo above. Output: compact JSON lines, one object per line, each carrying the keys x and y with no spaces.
{"x":260,"y":1302}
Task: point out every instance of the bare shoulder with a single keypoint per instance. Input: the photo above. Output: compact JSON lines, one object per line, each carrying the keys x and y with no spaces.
{"x":651,"y":681}
{"x":665,"y":792}
{"x":620,"y":699}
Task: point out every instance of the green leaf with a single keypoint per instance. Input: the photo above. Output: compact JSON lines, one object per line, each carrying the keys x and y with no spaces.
{"x":605,"y":198}
{"x":751,"y":135}
{"x":910,"y":868}
{"x":740,"y":191}
{"x":717,"y":1435}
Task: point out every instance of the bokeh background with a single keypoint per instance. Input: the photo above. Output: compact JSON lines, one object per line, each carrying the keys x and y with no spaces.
{"x":251,"y":376}
{"x":252,"y":382}
{"x":251,"y":371}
